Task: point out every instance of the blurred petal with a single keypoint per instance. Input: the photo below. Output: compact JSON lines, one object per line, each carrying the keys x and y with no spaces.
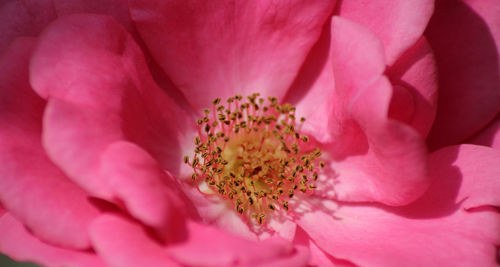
{"x":20,"y":245}
{"x":489,"y":136}
{"x":23,"y":18}
{"x":399,"y":24}
{"x":300,"y":257}
{"x":118,"y":9}
{"x":29,"y":17}
{"x":221,"y":48}
{"x":465,"y":38}
{"x":32,"y":188}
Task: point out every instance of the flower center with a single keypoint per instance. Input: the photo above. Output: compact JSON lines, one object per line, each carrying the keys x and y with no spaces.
{"x":251,"y":154}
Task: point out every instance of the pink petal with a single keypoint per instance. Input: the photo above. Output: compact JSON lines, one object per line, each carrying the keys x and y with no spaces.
{"x":314,"y":87}
{"x":394,"y":168}
{"x":32,"y":187}
{"x":30,"y":17}
{"x":358,"y":58}
{"x":149,"y":193}
{"x":100,"y":92}
{"x":399,"y":24}
{"x":20,"y":245}
{"x":217,"y":49}
{"x":124,"y":243}
{"x":318,"y":256}
{"x":118,"y":9}
{"x":415,"y":92}
{"x":435,"y":230}
{"x":216,"y":212}
{"x":226,"y":249}
{"x":465,"y":37}
{"x":489,"y":136}
{"x":369,"y":236}
{"x":477,"y":170}
{"x":300,"y":257}
{"x":375,"y":158}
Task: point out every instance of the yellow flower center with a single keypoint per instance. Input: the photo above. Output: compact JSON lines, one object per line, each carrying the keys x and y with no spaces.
{"x":251,"y":155}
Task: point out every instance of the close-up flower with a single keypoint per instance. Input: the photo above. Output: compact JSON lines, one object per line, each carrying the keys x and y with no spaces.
{"x":250,"y":133}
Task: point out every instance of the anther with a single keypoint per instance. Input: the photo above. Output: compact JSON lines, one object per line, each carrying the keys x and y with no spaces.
{"x":251,"y":155}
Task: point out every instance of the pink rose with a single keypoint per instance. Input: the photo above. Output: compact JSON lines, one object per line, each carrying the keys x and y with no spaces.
{"x":103,"y":126}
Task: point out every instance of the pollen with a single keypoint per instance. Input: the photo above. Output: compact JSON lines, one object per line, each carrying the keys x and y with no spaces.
{"x":250,"y":152}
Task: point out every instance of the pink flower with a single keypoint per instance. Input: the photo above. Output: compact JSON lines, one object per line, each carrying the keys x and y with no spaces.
{"x":98,"y":110}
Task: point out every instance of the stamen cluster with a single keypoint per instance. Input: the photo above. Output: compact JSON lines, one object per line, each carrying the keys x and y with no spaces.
{"x":250,"y":154}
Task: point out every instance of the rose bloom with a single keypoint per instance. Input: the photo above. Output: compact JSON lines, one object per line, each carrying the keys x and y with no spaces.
{"x":250,"y":133}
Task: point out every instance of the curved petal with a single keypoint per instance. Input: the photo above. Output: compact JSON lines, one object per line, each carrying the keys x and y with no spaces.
{"x":374,"y":158}
{"x":365,"y":236}
{"x":123,"y":243}
{"x":149,"y":193}
{"x":394,"y":168}
{"x":489,"y":136}
{"x":313,"y":88}
{"x":318,"y":256}
{"x":477,"y":170}
{"x":32,"y":188}
{"x":226,"y":249}
{"x":216,"y":212}
{"x":100,"y":92}
{"x":218,"y":49}
{"x":465,"y":38}
{"x":358,"y":58}
{"x":20,"y":245}
{"x":399,"y":24}
{"x":435,"y":230}
{"x":414,"y":101}
{"x":204,"y":245}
